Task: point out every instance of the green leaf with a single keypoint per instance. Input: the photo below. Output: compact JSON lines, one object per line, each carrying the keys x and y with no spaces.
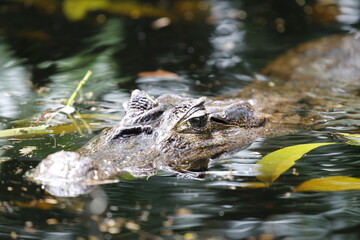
{"x":127,"y":176}
{"x":14,"y":132}
{"x":46,"y":129}
{"x":336,"y":183}
{"x":352,"y":139}
{"x":274,"y":164}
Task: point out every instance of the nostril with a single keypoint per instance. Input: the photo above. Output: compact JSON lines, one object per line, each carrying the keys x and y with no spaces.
{"x":242,"y":113}
{"x":238,"y":114}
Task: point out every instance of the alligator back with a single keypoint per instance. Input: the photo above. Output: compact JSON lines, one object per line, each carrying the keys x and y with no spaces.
{"x":330,"y":62}
{"x":309,"y":81}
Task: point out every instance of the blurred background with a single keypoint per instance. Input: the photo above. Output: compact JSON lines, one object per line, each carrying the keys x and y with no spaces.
{"x":210,"y":46}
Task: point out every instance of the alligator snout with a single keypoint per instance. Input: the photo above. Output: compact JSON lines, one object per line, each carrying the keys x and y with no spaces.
{"x":60,"y":167}
{"x":237,"y":114}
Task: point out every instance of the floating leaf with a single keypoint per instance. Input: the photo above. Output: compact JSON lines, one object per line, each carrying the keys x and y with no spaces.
{"x":254,"y":185}
{"x":46,"y":129}
{"x":352,"y":139}
{"x":127,"y":176}
{"x":38,"y":204}
{"x":274,"y":164}
{"x":43,"y":129}
{"x":336,"y":183}
{"x":158,"y":73}
{"x":27,"y":150}
{"x":98,"y":116}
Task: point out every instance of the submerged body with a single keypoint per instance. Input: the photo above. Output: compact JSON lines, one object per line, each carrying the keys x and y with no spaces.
{"x":178,"y":134}
{"x":170,"y":133}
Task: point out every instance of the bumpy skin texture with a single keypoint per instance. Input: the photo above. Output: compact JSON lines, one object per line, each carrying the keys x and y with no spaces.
{"x":178,"y":134}
{"x":169,"y":133}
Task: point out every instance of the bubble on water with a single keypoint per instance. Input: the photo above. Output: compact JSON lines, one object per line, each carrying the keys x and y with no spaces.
{"x":99,"y":203}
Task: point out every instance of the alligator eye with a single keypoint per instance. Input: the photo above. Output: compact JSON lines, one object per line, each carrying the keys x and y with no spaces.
{"x":198,"y":122}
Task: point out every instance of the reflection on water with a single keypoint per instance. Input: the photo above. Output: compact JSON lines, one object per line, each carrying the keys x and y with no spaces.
{"x":12,"y":72}
{"x":212,"y":54}
{"x":228,"y":36}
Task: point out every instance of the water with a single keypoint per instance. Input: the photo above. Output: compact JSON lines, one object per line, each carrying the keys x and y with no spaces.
{"x":213,"y":50}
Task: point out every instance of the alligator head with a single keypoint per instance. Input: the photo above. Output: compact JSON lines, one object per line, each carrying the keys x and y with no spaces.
{"x":170,"y":133}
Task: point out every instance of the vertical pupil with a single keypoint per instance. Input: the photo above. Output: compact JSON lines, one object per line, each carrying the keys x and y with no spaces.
{"x":198,"y":121}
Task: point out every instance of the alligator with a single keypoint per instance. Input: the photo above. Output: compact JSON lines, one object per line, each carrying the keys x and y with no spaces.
{"x":179,"y":134}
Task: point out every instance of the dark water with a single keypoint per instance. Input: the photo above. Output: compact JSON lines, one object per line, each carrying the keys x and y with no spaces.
{"x":214,"y":47}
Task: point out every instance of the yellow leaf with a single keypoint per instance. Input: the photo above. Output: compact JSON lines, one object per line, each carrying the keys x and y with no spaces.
{"x":336,"y":183}
{"x":274,"y":164}
{"x":77,"y":9}
{"x":254,"y":185}
{"x":352,"y":139}
{"x":39,"y":204}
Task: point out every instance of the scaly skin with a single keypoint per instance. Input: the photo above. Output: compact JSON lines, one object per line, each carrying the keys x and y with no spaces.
{"x":170,"y":133}
{"x":178,"y":134}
